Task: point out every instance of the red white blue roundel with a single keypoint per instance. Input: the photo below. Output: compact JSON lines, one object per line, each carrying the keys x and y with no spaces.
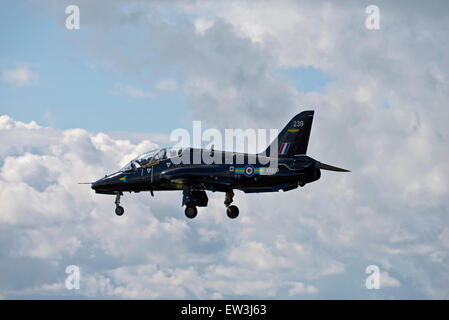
{"x":249,"y":171}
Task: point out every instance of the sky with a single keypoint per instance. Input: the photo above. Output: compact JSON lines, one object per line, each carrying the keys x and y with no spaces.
{"x":77,"y":104}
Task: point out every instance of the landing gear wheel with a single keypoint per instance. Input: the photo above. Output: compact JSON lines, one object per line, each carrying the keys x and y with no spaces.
{"x":191,"y":212}
{"x":232,"y":212}
{"x":119,"y":210}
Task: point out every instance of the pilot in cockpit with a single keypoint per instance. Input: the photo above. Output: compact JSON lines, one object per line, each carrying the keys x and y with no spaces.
{"x":163,"y":154}
{"x":143,"y":162}
{"x":146,"y":159}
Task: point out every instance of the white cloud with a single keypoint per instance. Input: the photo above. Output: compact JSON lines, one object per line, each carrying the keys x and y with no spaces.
{"x":201,"y":25}
{"x":47,"y":243}
{"x":391,"y":210}
{"x":58,"y":222}
{"x":255,"y":254}
{"x":388,"y":281}
{"x":19,"y":76}
{"x":7,"y":122}
{"x":301,"y":288}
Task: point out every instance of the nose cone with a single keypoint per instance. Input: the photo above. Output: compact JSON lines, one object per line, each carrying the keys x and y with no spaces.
{"x":99,"y":184}
{"x":96,"y":185}
{"x":107,"y":185}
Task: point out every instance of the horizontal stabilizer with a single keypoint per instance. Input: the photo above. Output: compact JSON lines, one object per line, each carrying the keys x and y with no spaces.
{"x":332,"y":168}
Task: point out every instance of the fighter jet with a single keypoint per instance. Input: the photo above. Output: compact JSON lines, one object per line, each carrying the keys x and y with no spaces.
{"x":284,"y":166}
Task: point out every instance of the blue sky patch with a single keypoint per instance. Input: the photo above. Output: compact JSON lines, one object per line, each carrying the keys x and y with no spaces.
{"x":73,"y":90}
{"x":307,"y":79}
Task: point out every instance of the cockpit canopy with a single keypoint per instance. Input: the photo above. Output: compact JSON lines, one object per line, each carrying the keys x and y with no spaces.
{"x":149,"y":157}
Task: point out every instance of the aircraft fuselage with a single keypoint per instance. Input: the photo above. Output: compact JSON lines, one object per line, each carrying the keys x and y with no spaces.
{"x":247,"y":175}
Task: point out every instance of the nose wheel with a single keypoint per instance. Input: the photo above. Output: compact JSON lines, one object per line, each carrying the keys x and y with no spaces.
{"x":118,"y":208}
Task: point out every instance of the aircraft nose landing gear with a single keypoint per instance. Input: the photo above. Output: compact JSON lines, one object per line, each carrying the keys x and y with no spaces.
{"x":231,"y":211}
{"x":118,"y":209}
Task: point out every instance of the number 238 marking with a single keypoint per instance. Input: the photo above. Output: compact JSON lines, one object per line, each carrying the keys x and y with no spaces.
{"x":298,"y":123}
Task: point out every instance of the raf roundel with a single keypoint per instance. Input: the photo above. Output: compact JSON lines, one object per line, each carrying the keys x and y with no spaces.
{"x":249,"y":171}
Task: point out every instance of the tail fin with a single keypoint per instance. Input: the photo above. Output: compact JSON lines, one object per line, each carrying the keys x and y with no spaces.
{"x":294,"y":138}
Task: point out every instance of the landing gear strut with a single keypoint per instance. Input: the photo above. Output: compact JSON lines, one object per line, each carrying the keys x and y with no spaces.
{"x":118,"y":209}
{"x":231,"y":211}
{"x":229,"y":198}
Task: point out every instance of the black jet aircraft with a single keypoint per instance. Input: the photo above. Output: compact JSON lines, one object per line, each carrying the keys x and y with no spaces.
{"x":160,"y":170}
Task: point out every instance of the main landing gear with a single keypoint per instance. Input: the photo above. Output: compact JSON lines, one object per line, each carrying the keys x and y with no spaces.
{"x":231,"y":211}
{"x":118,"y":209}
{"x":198,"y":198}
{"x":191,"y":199}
